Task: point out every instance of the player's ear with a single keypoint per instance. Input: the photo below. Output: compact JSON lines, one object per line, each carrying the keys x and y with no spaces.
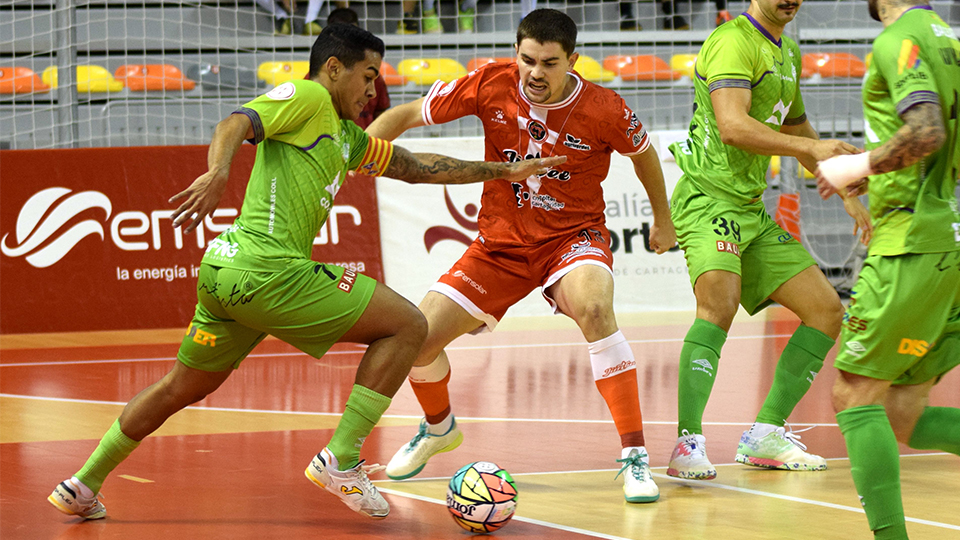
{"x":573,"y":60}
{"x":334,"y":67}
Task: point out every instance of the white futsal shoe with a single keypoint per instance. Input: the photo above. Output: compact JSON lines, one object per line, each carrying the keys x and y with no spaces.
{"x":68,"y":499}
{"x":638,"y":484}
{"x":352,"y":485}
{"x":412,"y":457}
{"x":689,"y":459}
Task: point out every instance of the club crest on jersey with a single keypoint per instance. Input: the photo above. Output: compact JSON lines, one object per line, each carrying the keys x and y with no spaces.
{"x":537,"y":130}
{"x":575,"y":143}
{"x":638,"y":137}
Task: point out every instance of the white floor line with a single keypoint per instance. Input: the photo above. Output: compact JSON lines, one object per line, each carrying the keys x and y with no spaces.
{"x":401,"y":416}
{"x":464,"y":348}
{"x":515,"y":517}
{"x":797,"y":499}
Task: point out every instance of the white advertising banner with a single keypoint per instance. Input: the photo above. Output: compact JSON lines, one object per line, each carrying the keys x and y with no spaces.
{"x":425,"y":229}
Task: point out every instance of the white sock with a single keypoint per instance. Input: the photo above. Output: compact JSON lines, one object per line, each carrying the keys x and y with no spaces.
{"x":85,"y":492}
{"x":759,"y":430}
{"x":442,"y":428}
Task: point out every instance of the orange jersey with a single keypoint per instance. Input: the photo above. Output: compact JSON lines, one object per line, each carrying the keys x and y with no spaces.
{"x":586,"y":127}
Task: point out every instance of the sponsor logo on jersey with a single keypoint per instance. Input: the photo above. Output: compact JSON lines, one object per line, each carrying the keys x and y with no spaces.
{"x":728,"y":247}
{"x":913,"y":347}
{"x":854,"y":324}
{"x":537,"y":130}
{"x":347,"y":280}
{"x":448,"y":88}
{"x":201,"y":337}
{"x":634,"y":121}
{"x":638,"y":137}
{"x":909,"y":56}
{"x":498,"y":117}
{"x":581,"y":249}
{"x":283,"y":92}
{"x":855,"y":348}
{"x":575,"y":143}
{"x":910,"y":76}
{"x":468,"y":280}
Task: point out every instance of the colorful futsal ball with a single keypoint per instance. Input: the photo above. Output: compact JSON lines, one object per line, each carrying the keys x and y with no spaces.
{"x":482,"y":497}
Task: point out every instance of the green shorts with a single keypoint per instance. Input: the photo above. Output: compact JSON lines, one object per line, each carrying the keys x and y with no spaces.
{"x":720,"y":235}
{"x":308,"y":305}
{"x":903,"y":321}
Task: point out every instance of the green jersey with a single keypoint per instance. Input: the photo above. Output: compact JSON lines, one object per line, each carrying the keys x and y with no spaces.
{"x":915,"y":60}
{"x":304,"y":152}
{"x":739,"y":54}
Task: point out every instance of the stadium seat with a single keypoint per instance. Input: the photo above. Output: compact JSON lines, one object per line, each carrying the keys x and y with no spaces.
{"x":843,"y":65}
{"x":686,"y":64}
{"x":591,"y":70}
{"x":642,"y":67}
{"x":225,"y":78}
{"x":143,"y":77}
{"x":20,"y":80}
{"x":277,"y":73}
{"x":479,"y":61}
{"x":425,"y":71}
{"x":390,"y":75}
{"x":867,"y":60}
{"x":90,"y":79}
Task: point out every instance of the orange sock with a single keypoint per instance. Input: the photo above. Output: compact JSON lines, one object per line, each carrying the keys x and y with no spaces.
{"x":429,"y":383}
{"x":615,"y":372}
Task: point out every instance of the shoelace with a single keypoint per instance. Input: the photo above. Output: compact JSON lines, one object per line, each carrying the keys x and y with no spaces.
{"x":793,"y":437}
{"x":690,"y":442}
{"x":632,"y":461}
{"x":419,"y":436}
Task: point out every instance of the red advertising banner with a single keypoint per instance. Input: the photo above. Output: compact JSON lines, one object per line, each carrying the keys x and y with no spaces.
{"x":87,"y":242}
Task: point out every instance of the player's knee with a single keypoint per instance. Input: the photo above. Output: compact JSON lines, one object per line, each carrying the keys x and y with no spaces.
{"x":414,"y":326}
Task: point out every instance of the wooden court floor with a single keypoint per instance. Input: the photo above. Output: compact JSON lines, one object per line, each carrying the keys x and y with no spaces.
{"x":232,"y":466}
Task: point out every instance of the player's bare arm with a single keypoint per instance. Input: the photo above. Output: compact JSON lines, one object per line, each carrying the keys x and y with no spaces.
{"x":646,"y":164}
{"x":437,"y":169}
{"x":922,"y":134}
{"x":394,"y":121}
{"x":801,"y":127}
{"x":203,"y":195}
{"x":737,"y":128}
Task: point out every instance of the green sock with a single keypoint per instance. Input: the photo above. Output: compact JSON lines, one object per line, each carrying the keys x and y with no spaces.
{"x":799,"y":363}
{"x":875,"y":465}
{"x":114,"y":447}
{"x":698,"y":368}
{"x":937,"y":429}
{"x":363,"y":411}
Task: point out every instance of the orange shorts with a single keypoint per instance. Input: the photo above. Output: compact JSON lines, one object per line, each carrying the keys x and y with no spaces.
{"x":486,"y":282}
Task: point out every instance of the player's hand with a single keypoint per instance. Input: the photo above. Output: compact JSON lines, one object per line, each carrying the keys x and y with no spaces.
{"x":663,"y":236}
{"x":200,"y":199}
{"x":529,"y":167}
{"x":827,"y":148}
{"x":861,"y":218}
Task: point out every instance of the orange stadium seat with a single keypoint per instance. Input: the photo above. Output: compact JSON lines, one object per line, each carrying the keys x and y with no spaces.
{"x":641,"y":67}
{"x":844,"y":65}
{"x":591,"y":70}
{"x":686,"y":64}
{"x":390,"y":75}
{"x":479,"y":61}
{"x":20,"y":80}
{"x":277,"y":73}
{"x":90,"y":79}
{"x":143,"y":77}
{"x":426,"y":71}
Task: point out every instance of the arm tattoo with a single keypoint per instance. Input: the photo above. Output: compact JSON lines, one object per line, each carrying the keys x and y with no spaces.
{"x":921,"y":134}
{"x":795,"y":121}
{"x":437,"y":169}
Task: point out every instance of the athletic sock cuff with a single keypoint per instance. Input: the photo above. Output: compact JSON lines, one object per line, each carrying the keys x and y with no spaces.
{"x":602,"y":344}
{"x":433,"y":372}
{"x":116,"y":436}
{"x":812,"y":340}
{"x":371,"y":405}
{"x":706,"y":334}
{"x":854,"y":417}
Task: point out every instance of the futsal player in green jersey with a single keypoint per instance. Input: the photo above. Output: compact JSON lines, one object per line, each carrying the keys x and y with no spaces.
{"x":901,"y":332}
{"x":748,"y":107}
{"x":257,"y":278}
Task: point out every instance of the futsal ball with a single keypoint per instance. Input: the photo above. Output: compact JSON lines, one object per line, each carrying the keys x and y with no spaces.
{"x":482,"y":497}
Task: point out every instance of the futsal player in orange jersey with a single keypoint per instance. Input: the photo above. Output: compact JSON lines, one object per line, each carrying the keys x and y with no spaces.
{"x":547,"y":231}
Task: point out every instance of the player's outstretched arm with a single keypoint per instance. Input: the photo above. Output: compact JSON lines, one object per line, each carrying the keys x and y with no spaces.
{"x":437,"y":169}
{"x":203,"y":195}
{"x":737,"y":128}
{"x":646,"y":164}
{"x":921,"y":134}
{"x":394,"y":121}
